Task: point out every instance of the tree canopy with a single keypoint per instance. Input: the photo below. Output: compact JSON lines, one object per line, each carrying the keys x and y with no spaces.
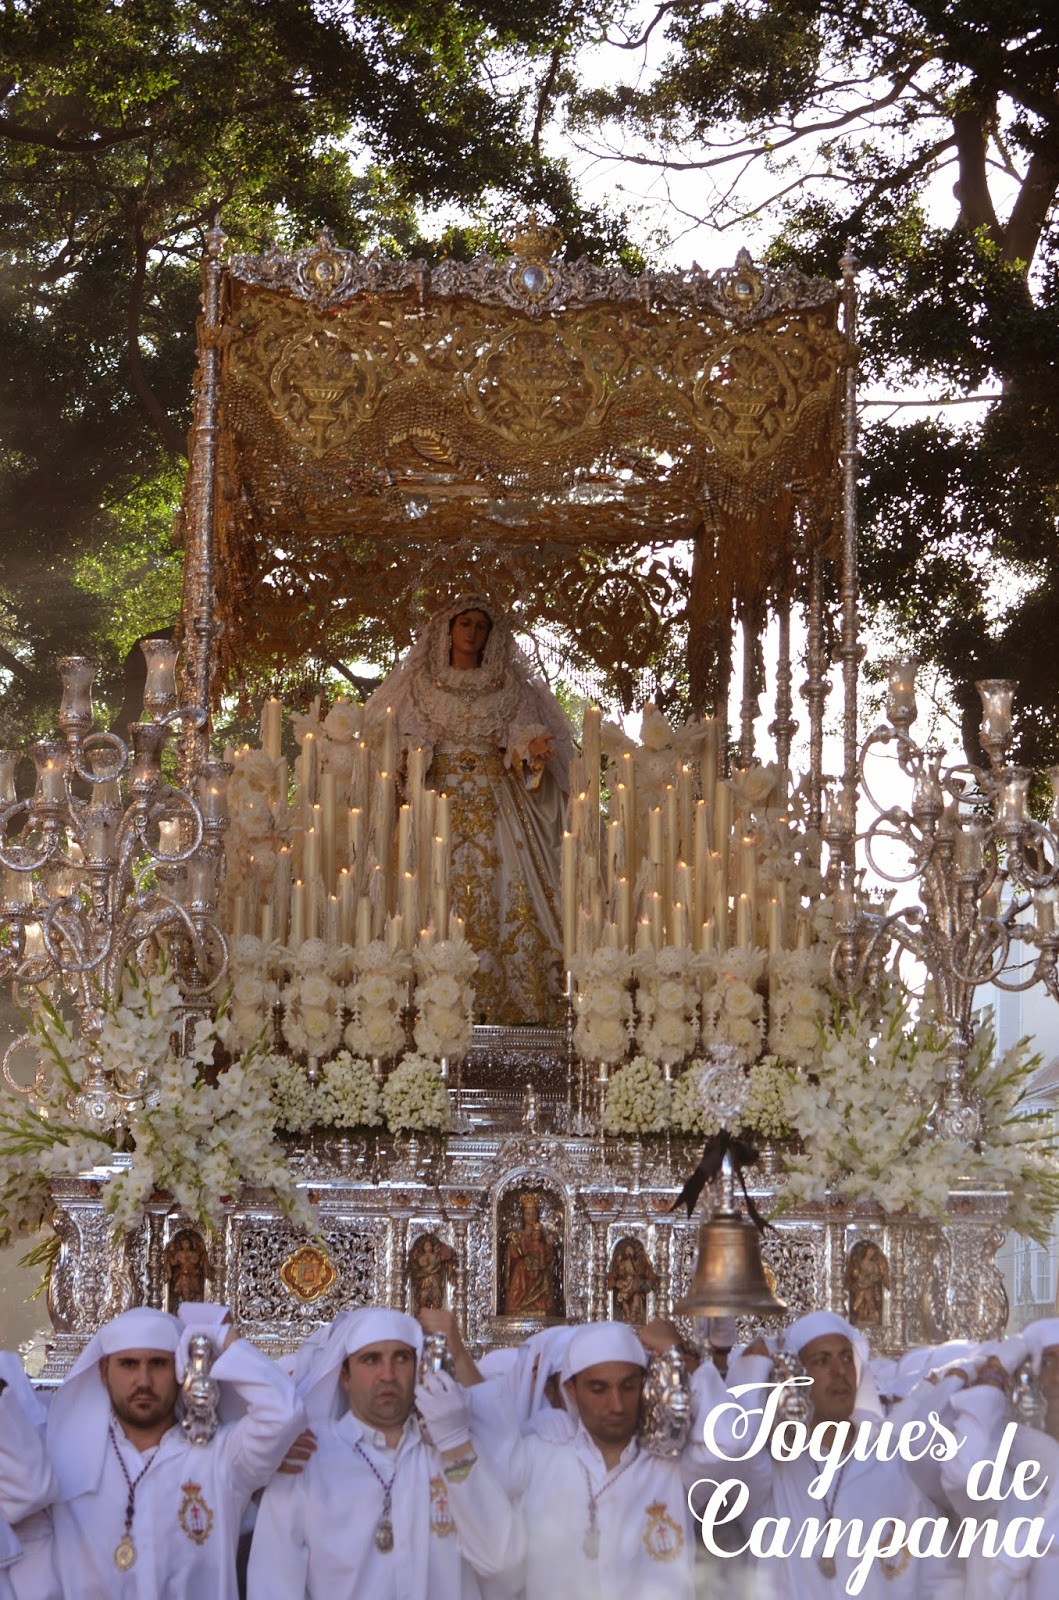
{"x":123,"y":131}
{"x":924,"y":136}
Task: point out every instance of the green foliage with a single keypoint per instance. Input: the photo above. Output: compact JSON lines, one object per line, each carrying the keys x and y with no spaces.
{"x":123,"y":130}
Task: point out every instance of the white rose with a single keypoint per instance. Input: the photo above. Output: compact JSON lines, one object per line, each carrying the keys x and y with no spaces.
{"x":342,"y":722}
{"x":375,"y":990}
{"x":316,"y":991}
{"x":740,"y":1000}
{"x":671,"y":996}
{"x":444,"y":991}
{"x":248,"y":990}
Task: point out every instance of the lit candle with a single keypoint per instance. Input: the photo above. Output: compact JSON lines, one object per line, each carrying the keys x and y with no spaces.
{"x":445,"y":820}
{"x":624,"y":899}
{"x":271,"y":728}
{"x":311,"y":869}
{"x":395,"y":934}
{"x":775,"y":927}
{"x":408,"y":907}
{"x":298,"y":912}
{"x":657,"y":921}
{"x":803,"y":931}
{"x":388,"y":762}
{"x":404,"y":840}
{"x":628,"y":810}
{"x":708,"y":936}
{"x":1012,"y":797}
{"x":743,"y":924}
{"x":440,"y":875}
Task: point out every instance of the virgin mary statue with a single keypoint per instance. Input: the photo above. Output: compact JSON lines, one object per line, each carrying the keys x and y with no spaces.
{"x":500,"y":746}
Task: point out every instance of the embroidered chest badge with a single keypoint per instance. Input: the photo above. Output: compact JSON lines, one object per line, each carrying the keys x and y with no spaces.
{"x":663,"y":1538}
{"x":194,"y":1516}
{"x":441,"y":1521}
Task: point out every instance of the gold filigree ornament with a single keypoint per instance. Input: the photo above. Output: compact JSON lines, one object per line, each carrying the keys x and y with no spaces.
{"x":309,"y":1273}
{"x":534,"y":247}
{"x":374,"y":416}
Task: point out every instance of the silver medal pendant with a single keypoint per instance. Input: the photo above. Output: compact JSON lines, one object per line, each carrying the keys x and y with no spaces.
{"x":828,"y":1566}
{"x":384,"y":1534}
{"x":125,"y":1554}
{"x":590,"y":1543}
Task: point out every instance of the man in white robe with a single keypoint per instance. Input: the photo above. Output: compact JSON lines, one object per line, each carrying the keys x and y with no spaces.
{"x":867,"y":1491}
{"x":27,"y":1487}
{"x":981,"y":1414}
{"x":604,"y":1519}
{"x":142,"y":1513}
{"x":382,"y":1511}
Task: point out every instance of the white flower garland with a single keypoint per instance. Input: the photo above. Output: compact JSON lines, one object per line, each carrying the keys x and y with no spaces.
{"x":414,"y":1097}
{"x":604,"y":1026}
{"x":732,"y":1009}
{"x":376,"y":999}
{"x":312,"y":1000}
{"x":667,"y":1000}
{"x":689,"y":1113}
{"x":799,"y":1004}
{"x":444,"y":999}
{"x":637,"y":1099}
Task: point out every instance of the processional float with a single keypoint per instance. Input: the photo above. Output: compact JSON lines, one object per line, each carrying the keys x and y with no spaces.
{"x":366,"y":434}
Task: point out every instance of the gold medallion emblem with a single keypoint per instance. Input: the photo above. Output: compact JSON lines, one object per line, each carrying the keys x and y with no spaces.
{"x":194,"y":1516}
{"x":308,"y":1273}
{"x":663,"y":1539}
{"x":125,"y":1555}
{"x":441,"y":1521}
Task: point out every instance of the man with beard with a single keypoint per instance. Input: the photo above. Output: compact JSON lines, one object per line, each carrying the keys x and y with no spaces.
{"x":382,"y":1508}
{"x":141,"y":1511}
{"x":785,"y":1493}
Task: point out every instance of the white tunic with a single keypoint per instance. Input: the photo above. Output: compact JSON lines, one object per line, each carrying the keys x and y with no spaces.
{"x":981,"y":1415}
{"x":869,"y":1490}
{"x":27,"y":1487}
{"x":315,"y":1532}
{"x":646,"y":1540}
{"x":189,"y":1502}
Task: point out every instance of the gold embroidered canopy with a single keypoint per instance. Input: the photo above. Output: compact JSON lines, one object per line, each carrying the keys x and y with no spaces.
{"x":383,"y":429}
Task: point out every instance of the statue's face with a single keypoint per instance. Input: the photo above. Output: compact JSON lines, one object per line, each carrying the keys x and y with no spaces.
{"x":467,"y":635}
{"x":530,"y":1213}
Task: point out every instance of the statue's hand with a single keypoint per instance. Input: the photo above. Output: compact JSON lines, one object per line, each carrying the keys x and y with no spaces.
{"x":541,"y":749}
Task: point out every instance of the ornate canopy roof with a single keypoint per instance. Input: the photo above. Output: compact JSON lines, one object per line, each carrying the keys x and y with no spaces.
{"x":384,"y":426}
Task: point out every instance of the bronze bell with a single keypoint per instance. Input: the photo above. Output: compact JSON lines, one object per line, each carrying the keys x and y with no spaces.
{"x":729,"y":1278}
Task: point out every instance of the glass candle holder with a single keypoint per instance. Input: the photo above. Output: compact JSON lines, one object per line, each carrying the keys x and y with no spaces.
{"x":16,"y":889}
{"x":148,"y":741}
{"x":995,"y":729}
{"x":75,"y":708}
{"x":1012,"y":797}
{"x":160,"y":694}
{"x":49,"y":757}
{"x":901,"y":709}
{"x":100,"y":827}
{"x":212,"y":785}
{"x":9,"y":760}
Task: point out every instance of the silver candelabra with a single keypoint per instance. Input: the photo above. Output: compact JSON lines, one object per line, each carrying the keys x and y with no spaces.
{"x":106,"y":857}
{"x":985,"y":872}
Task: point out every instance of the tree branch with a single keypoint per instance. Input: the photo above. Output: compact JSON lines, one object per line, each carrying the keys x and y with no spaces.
{"x":972,"y":187}
{"x":1030,"y":211}
{"x":169,"y":435}
{"x":547,"y":89}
